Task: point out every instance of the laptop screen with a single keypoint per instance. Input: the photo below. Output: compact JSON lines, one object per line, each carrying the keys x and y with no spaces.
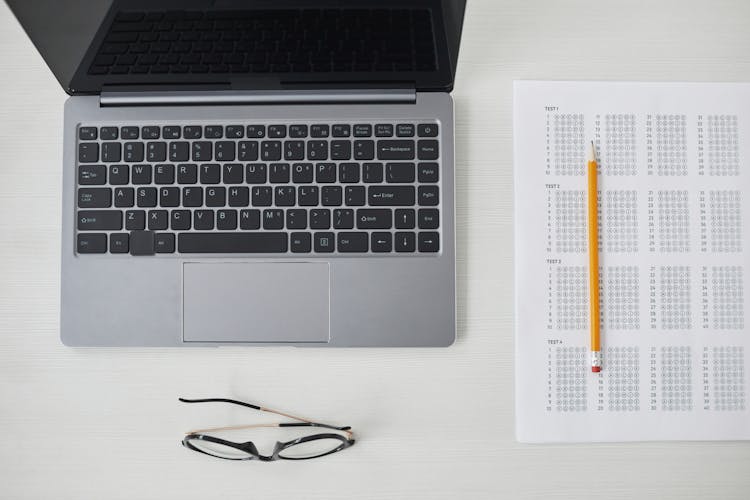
{"x":91,"y":45}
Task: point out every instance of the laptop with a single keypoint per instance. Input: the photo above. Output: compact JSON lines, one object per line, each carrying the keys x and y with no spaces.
{"x":255,"y":172}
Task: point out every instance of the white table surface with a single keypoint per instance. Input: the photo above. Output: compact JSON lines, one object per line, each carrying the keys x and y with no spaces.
{"x":431,"y":423}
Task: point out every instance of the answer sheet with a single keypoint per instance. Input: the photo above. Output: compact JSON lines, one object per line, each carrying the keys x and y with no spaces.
{"x":674,"y":240}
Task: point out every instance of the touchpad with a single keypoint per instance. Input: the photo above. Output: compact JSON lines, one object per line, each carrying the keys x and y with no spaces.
{"x":255,"y":302}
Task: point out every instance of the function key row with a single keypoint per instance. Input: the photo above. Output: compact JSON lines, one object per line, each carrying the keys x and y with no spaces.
{"x":256,"y":131}
{"x":258,"y":173}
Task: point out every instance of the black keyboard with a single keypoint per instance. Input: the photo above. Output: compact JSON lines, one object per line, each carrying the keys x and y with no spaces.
{"x":263,"y":41}
{"x":346,"y":188}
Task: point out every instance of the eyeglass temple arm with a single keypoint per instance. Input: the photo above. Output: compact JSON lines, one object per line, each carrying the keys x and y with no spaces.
{"x":247,"y":405}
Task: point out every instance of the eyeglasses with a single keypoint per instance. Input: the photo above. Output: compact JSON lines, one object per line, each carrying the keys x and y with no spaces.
{"x":303,"y":448}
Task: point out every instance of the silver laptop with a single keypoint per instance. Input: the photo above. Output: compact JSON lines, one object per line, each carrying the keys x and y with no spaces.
{"x":255,"y":172}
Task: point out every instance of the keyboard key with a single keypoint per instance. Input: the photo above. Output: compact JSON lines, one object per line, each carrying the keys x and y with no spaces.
{"x":325,"y":172}
{"x":352,"y":242}
{"x":249,"y":219}
{"x":119,"y":175}
{"x":298,"y":131}
{"x":308,"y":196}
{"x":294,"y":150}
{"x":87,"y":133}
{"x":213,"y":131}
{"x":135,"y":220}
{"x":203,"y":220}
{"x":255,"y":173}
{"x":427,"y":150}
{"x":256,"y":131}
{"x":232,"y":242}
{"x":202,"y":151}
{"x":133,"y":152}
{"x":94,"y":197}
{"x":92,"y":243}
{"x":99,"y":220}
{"x":319,"y":131}
{"x":300,"y":242}
{"x":405,"y":242}
{"x":317,"y":150}
{"x":239,"y":196}
{"x":129,"y":133}
{"x":226,"y":220}
{"x":372,"y":172}
{"x":349,"y":173}
{"x":247,"y":151}
{"x":399,"y":172}
{"x":400,"y":196}
{"x":331,"y":196}
{"x":234,"y":131}
{"x":354,"y":196}
{"x":362,"y":130}
{"x":364,"y":150}
{"x":324,"y":242}
{"x":92,"y":175}
{"x":270,"y":150}
{"x":429,"y":242}
{"x":142,"y":242}
{"x":428,"y":172}
{"x":88,"y":152}
{"x":179,"y":151}
{"x":224,"y":151}
{"x":284,"y":196}
{"x":210,"y":173}
{"x":180,"y":220}
{"x":343,"y":218}
{"x":262,"y":196}
{"x":428,"y":196}
{"x":302,"y":173}
{"x":396,"y":150}
{"x":405,"y":130}
{"x":192,"y":132}
{"x":146,"y":197}
{"x":273,"y":219}
{"x":157,"y":220}
{"x":341,"y":150}
{"x":276,"y":131}
{"x":169,"y":197}
{"x":296,"y":218}
{"x":427,"y":130}
{"x":216,"y":196}
{"x":279,"y":173}
{"x":428,"y":218}
{"x":342,"y":130}
{"x":111,"y":152}
{"x":383,"y":130}
{"x":141,"y":174}
{"x":381,"y":242}
{"x":405,"y":218}
{"x":150,"y":132}
{"x":171,"y":132}
{"x":232,"y":173}
{"x":320,"y":218}
{"x":118,"y":242}
{"x":164,"y":243}
{"x":124,"y":197}
{"x":372,"y":218}
{"x":187,"y":173}
{"x":164,"y":174}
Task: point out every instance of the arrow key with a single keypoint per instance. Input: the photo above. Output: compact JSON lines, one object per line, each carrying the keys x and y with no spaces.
{"x":381,"y":242}
{"x":429,"y":242}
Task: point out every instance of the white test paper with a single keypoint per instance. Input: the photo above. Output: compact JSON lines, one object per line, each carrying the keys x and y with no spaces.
{"x":674,"y":229}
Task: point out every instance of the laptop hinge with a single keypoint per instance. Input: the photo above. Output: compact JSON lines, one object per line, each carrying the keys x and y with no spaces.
{"x":235,"y":97}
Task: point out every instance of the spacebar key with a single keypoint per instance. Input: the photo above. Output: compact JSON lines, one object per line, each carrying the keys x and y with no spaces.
{"x":232,"y":242}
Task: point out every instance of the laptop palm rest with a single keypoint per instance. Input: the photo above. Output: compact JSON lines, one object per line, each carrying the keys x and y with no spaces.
{"x":264,"y":302}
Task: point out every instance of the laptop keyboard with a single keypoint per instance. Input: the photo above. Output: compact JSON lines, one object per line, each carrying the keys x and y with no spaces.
{"x":300,"y":188}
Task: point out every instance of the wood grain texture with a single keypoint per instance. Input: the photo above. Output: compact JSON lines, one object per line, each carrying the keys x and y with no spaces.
{"x":432,"y":424}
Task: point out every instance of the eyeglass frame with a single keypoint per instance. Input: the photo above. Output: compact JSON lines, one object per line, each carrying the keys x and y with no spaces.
{"x":347,"y":439}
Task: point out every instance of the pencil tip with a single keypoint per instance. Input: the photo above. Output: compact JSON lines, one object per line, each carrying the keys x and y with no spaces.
{"x":592,"y":152}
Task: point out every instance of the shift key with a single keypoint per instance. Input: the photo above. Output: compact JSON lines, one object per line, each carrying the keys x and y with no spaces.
{"x":395,"y":196}
{"x":99,"y":220}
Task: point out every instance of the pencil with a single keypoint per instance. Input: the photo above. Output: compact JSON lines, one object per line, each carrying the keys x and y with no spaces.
{"x":596,"y":352}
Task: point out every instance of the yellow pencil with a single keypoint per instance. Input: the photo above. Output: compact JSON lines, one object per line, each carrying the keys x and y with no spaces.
{"x":596,"y":350}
